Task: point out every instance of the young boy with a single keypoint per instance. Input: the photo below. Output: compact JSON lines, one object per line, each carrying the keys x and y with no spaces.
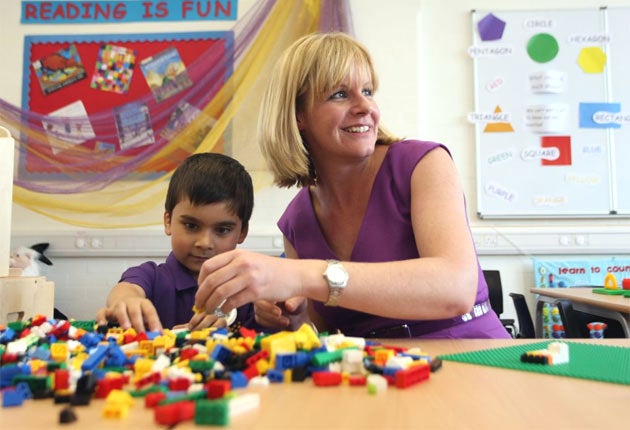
{"x":208,"y":205}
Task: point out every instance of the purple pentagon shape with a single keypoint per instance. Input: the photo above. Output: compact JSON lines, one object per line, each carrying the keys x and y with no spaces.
{"x":490,"y":28}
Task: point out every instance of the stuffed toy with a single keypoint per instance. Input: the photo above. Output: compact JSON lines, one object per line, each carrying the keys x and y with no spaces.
{"x":30,"y":259}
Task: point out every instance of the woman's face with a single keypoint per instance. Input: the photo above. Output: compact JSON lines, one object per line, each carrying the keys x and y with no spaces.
{"x":345,"y":120}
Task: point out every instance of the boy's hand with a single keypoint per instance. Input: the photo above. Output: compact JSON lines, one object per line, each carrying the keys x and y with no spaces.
{"x":132,"y":312}
{"x":291,"y":313}
{"x":203,"y":320}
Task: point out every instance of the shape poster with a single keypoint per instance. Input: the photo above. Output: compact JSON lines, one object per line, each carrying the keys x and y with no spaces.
{"x":550,"y":115}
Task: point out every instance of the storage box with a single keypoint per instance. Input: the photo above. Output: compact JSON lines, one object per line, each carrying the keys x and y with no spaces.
{"x":22,"y":297}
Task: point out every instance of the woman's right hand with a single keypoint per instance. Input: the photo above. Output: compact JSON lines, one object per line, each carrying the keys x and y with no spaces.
{"x":290,"y":314}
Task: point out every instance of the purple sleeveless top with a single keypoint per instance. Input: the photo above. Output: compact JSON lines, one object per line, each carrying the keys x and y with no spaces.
{"x":385,"y":235}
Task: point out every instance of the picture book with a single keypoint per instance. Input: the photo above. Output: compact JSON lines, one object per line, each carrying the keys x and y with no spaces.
{"x":165,"y":73}
{"x":68,"y":126}
{"x":113,"y":69}
{"x":183,"y":114}
{"x":133,"y":125}
{"x":59,"y":69}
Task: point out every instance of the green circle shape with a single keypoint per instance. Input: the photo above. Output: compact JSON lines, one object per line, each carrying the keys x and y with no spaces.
{"x":542,"y":47}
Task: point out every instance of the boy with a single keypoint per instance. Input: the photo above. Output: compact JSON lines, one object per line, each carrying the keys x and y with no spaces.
{"x":208,"y":205}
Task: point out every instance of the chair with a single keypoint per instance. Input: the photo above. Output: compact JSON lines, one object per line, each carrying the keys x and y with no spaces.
{"x":495,"y":293}
{"x":574,"y":327}
{"x":525,"y":322}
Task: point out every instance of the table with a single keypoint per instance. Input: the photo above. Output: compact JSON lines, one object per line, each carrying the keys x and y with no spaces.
{"x":459,"y":395}
{"x":583,"y":299}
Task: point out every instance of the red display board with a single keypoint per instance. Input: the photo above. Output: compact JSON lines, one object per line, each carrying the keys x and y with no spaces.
{"x":131,"y":88}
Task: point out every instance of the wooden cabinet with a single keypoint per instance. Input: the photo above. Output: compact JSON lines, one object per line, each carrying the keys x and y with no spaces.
{"x":22,"y":297}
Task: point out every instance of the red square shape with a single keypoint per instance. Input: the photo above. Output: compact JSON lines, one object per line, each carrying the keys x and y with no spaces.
{"x":563,"y":143}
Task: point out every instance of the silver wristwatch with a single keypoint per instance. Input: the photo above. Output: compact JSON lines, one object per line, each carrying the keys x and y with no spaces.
{"x":337,"y":277}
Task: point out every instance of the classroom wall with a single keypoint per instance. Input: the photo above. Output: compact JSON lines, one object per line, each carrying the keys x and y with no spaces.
{"x":420,"y":50}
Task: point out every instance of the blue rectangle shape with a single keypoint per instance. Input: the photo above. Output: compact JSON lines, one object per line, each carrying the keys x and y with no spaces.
{"x":90,"y":12}
{"x":588,"y":111}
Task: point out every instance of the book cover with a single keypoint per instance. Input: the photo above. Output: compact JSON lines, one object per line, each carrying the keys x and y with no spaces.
{"x":59,"y":69}
{"x":165,"y":73}
{"x":113,"y":69}
{"x":133,"y":125}
{"x":68,"y":126}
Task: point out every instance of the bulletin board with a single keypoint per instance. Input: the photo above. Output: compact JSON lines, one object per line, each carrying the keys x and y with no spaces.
{"x":126,"y":91}
{"x":552,"y":113}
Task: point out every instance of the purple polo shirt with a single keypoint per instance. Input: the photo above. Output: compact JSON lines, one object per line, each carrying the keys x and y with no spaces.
{"x":171,"y":288}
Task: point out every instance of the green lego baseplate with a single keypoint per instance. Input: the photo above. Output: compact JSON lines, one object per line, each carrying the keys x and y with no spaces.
{"x":604,"y":363}
{"x":609,"y":292}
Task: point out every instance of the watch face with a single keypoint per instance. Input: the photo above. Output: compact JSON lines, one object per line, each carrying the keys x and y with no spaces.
{"x":337,"y":275}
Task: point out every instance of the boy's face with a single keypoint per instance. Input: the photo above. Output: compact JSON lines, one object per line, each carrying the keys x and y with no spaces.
{"x":200,"y":232}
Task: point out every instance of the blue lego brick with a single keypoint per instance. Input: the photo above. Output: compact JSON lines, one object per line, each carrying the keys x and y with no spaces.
{"x":12,"y":397}
{"x":7,"y":335}
{"x":97,"y":356}
{"x":275,"y":375}
{"x":221,"y":353}
{"x":239,"y":380}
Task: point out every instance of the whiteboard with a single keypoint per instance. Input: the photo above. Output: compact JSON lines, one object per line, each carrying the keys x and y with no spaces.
{"x":551,"y":135}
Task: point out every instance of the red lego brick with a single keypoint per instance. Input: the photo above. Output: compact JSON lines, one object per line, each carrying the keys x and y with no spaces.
{"x":179,"y":384}
{"x":151,"y":400}
{"x":174,"y":413}
{"x":325,"y":379}
{"x":357,"y":380}
{"x":188,"y":353}
{"x":247,"y":333}
{"x":106,"y":385}
{"x":151,"y":378}
{"x":62,"y":379}
{"x":38,"y":320}
{"x":412,"y":375}
{"x":251,"y":372}
{"x":218,"y":388}
{"x":261,"y":355}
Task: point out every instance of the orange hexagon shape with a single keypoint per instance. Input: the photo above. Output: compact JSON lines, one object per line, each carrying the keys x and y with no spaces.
{"x":592,"y":59}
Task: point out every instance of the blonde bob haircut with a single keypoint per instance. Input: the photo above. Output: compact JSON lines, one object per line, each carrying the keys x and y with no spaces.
{"x":311,"y":67}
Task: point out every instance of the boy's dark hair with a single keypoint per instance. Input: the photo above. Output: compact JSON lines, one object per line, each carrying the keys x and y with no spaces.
{"x":209,"y":177}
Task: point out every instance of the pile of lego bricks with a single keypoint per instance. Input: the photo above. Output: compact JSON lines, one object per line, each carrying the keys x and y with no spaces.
{"x":187,"y":375}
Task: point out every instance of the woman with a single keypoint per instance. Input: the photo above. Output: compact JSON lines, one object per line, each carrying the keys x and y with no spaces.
{"x":377,"y":239}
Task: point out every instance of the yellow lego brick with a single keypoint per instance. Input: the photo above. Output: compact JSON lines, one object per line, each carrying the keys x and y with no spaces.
{"x":114,"y":411}
{"x":130,"y":331}
{"x":143,"y":366}
{"x":147,"y":346}
{"x":77,"y":361}
{"x":119,"y":397}
{"x":59,"y":352}
{"x":307,"y":338}
{"x":288,"y":375}
{"x":382,"y":355}
{"x":283,"y":341}
{"x":199,"y":334}
{"x":37,"y":366}
{"x":262,"y":366}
